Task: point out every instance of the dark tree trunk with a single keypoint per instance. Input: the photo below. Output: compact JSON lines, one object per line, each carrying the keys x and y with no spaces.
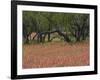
{"x":78,"y":36}
{"x":35,"y":36}
{"x":27,"y":40}
{"x":40,"y":37}
{"x":49,"y":37}
{"x":44,"y":37}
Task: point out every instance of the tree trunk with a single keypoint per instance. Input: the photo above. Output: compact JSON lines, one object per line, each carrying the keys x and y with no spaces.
{"x":49,"y":37}
{"x":27,"y":40}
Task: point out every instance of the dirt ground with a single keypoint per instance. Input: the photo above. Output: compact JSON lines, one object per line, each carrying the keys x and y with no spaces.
{"x":55,"y":54}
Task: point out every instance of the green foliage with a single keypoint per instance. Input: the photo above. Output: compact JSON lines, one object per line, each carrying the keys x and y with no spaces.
{"x":75,"y":26}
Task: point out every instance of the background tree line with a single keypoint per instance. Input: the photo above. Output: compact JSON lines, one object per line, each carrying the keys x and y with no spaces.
{"x":71,"y":26}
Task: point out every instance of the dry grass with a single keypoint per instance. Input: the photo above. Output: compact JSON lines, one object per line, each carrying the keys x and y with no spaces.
{"x":55,"y":54}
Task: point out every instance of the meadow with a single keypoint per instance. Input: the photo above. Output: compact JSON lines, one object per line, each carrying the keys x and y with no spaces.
{"x":55,"y":54}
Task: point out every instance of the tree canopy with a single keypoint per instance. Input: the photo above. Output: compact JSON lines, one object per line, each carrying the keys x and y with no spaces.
{"x":72,"y":26}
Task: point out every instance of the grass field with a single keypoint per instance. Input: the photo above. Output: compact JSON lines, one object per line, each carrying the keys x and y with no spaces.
{"x":55,"y":54}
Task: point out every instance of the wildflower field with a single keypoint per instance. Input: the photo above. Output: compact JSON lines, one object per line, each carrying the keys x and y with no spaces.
{"x":55,"y":54}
